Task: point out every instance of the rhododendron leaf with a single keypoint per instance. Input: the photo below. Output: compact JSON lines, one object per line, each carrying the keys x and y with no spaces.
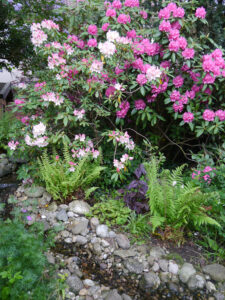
{"x":142,"y":90}
{"x":204,"y":87}
{"x":173,"y":57}
{"x":199,"y":132}
{"x":191,"y":125}
{"x":165,"y":56}
{"x":133,"y":112}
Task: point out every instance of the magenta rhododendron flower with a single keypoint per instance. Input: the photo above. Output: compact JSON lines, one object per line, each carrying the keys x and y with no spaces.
{"x":144,"y":14}
{"x":178,"y":12}
{"x":131,"y":34}
{"x":165,"y":26}
{"x":175,"y":96}
{"x":200,"y":13}
{"x":19,"y":101}
{"x":140,"y":104}
{"x":174,"y":46}
{"x":188,"y":117}
{"x":92,"y":43}
{"x":131,"y":3}
{"x":188,"y":53}
{"x":208,"y":79}
{"x":110,"y":13}
{"x":207,"y":169}
{"x":208,"y":115}
{"x":141,"y":79}
{"x":178,"y":107}
{"x":178,"y":81}
{"x":164,"y":13}
{"x":123,"y":19}
{"x":105,"y":26}
{"x":124,"y":107}
{"x":117,"y":4}
{"x":93,"y":29}
{"x":220,"y":114}
{"x":174,"y":34}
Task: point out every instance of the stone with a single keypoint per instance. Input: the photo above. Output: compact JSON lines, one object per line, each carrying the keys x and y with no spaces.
{"x":83,"y":292}
{"x":97,"y":249}
{"x":163,"y":264}
{"x":105,"y":243}
{"x":215,"y":271}
{"x":157,"y":252}
{"x":68,"y":240}
{"x":125,"y":253}
{"x":210,"y":286}
{"x":150,"y":281}
{"x":112,"y":234}
{"x":165,"y":277}
{"x":113,"y":295}
{"x":155,"y":267}
{"x":80,"y":226}
{"x":65,"y":233}
{"x":173,"y":267}
{"x":50,"y":258}
{"x":122,"y":241}
{"x":46,"y":198}
{"x":34,"y":191}
{"x":62,"y":216}
{"x":79,"y":207}
{"x":219,"y":296}
{"x":75,"y":283}
{"x":173,"y":287}
{"x":186,"y":272}
{"x":6,"y":167}
{"x":80,"y":240}
{"x":151,"y":260}
{"x":94,"y":222}
{"x":70,"y":214}
{"x":52,"y":207}
{"x":196,"y":282}
{"x":134,"y":266}
{"x":102,"y":231}
{"x":126,"y":297}
{"x":88,"y":282}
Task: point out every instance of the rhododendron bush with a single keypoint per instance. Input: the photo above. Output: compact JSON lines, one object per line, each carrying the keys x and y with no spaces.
{"x":132,"y":75}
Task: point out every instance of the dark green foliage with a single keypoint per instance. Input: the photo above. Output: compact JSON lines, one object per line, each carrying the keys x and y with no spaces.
{"x":23,"y":263}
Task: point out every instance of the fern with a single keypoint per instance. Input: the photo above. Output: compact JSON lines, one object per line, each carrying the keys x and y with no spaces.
{"x":171,"y":201}
{"x":59,"y":181}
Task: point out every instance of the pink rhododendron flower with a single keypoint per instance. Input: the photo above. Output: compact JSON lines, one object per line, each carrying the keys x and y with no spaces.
{"x":208,"y":115}
{"x":174,"y":34}
{"x":13,"y":145}
{"x":107,"y":48}
{"x":165,"y":26}
{"x":178,"y":107}
{"x":188,"y":117}
{"x":117,"y":4}
{"x":79,"y":113}
{"x":93,"y":29}
{"x":19,"y":101}
{"x":207,"y":178}
{"x":200,"y":12}
{"x":144,"y":14}
{"x":123,"y":19}
{"x":49,"y":24}
{"x":131,"y":3}
{"x":105,"y":26}
{"x":179,"y":12}
{"x":188,"y":53}
{"x":92,"y":43}
{"x":52,"y":97}
{"x":38,"y":37}
{"x":178,"y":81}
{"x":110,"y":13}
{"x":164,"y":13}
{"x":195,"y":173}
{"x":172,"y":6}
{"x":207,"y":169}
{"x":174,"y":46}
{"x":96,"y":66}
{"x":141,"y":79}
{"x":124,"y":107}
{"x":118,"y":71}
{"x":140,"y":104}
{"x":208,"y":79}
{"x":175,"y":96}
{"x":110,"y":91}
{"x":176,"y":25}
{"x":165,"y":64}
{"x":220,"y":114}
{"x":131,"y":34}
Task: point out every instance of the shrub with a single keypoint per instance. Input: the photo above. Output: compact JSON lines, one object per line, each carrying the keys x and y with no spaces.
{"x":173,"y":203}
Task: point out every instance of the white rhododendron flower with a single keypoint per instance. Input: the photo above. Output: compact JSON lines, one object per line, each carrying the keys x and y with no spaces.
{"x":39,"y":129}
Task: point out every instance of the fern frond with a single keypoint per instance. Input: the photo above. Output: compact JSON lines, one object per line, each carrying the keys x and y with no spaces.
{"x":89,"y":191}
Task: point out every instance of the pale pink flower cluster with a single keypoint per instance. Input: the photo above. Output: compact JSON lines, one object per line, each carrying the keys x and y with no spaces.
{"x":123,"y":139}
{"x":112,"y":36}
{"x":39,"y":85}
{"x":79,"y":113}
{"x":13,"y":145}
{"x":49,"y":24}
{"x":119,"y":165}
{"x":107,"y":48}
{"x":52,"y":97}
{"x":22,"y":85}
{"x":153,"y":73}
{"x":38,"y":129}
{"x":38,"y":35}
{"x":80,"y":137}
{"x":202,"y":174}
{"x":55,"y":60}
{"x":85,"y":148}
{"x":96,"y":66}
{"x":38,"y":138}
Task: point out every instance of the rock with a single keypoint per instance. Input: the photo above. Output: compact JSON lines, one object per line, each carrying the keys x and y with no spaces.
{"x":105,"y":243}
{"x":97,"y":249}
{"x":88,"y":282}
{"x":165,"y":277}
{"x":123,"y":241}
{"x":210,"y":286}
{"x":65,"y":233}
{"x":215,"y":271}
{"x":219,"y":296}
{"x":112,"y":234}
{"x":150,"y":281}
{"x":151,"y":260}
{"x":113,"y":295}
{"x":163,"y":264}
{"x":79,"y":207}
{"x":50,"y":258}
{"x":34,"y":191}
{"x":155,"y":267}
{"x":70,"y":214}
{"x":125,"y":253}
{"x":157,"y":253}
{"x":80,"y":226}
{"x":62,"y":216}
{"x":74,"y":283}
{"x":68,"y":240}
{"x":83,"y":292}
{"x":126,"y":297}
{"x":80,"y":240}
{"x":196,"y":282}
{"x":6,"y":167}
{"x":134,"y":266}
{"x":52,"y":207}
{"x":94,"y":222}
{"x":102,"y":231}
{"x":173,"y":268}
{"x":173,"y":287}
{"x":186,"y":272}
{"x":46,"y":198}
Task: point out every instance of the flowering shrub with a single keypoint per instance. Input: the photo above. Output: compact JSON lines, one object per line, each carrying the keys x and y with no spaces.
{"x":125,"y":73}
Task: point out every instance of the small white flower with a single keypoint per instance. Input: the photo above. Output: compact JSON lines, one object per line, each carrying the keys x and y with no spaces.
{"x":174,"y":183}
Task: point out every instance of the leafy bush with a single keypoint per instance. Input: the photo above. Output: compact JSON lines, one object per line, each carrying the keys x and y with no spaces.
{"x":172,"y":202}
{"x":63,"y":176}
{"x":23,"y":265}
{"x":111,"y":212}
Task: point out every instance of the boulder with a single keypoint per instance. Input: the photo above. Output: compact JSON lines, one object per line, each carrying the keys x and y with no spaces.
{"x":215,"y":271}
{"x":122,"y":241}
{"x":186,"y":272}
{"x":79,"y":207}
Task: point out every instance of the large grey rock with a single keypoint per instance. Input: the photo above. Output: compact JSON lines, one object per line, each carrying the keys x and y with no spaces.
{"x":219,"y":296}
{"x":150,"y":281}
{"x":125,"y":253}
{"x":134,"y":266}
{"x":210,"y":286}
{"x":196,"y":282}
{"x":52,"y":207}
{"x":80,"y":240}
{"x":94,"y":222}
{"x":34,"y":191}
{"x":123,"y":241}
{"x":102,"y":231}
{"x":62,"y":216}
{"x":6,"y":167}
{"x":74,"y":283}
{"x":215,"y":271}
{"x":79,"y":207}
{"x":126,"y":297}
{"x":80,"y":226}
{"x":163,"y":264}
{"x":186,"y":272}
{"x":113,"y":295}
{"x":157,"y":252}
{"x":173,"y":267}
